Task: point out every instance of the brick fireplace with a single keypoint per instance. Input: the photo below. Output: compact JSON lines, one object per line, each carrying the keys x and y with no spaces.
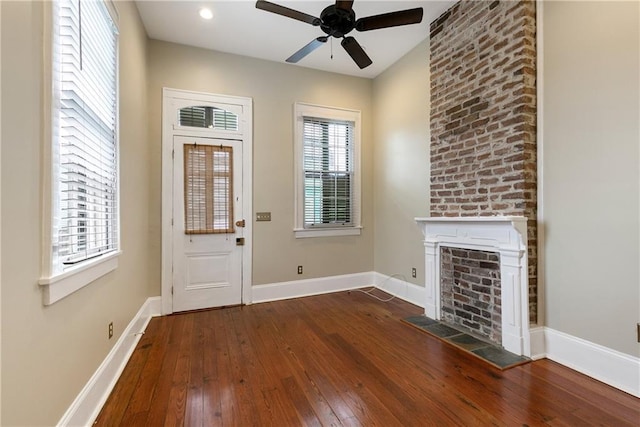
{"x":502,"y":235}
{"x":483,"y":142}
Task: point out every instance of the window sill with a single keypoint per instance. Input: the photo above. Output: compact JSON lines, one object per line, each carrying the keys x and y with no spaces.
{"x":303,"y":233}
{"x":60,"y":285}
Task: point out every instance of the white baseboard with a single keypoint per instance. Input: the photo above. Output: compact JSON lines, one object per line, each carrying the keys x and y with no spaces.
{"x":402,"y":289}
{"x":303,"y":288}
{"x":309,"y":287}
{"x":536,"y":340}
{"x":619,"y":370}
{"x":87,"y":405}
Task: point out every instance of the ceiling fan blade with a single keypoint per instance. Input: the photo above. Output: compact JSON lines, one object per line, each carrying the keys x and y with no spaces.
{"x":345,"y":5}
{"x":285,"y":11}
{"x":310,"y":47}
{"x":356,"y":52}
{"x":392,"y":19}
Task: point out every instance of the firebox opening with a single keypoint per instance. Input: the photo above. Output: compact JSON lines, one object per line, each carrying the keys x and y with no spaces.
{"x":471,"y":292}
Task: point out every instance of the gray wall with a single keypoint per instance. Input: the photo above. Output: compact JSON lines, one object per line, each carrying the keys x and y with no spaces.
{"x":274,"y":87}
{"x":401,"y":163}
{"x":49,"y":353}
{"x":591,"y":178}
{"x":591,"y":171}
{"x":591,"y":186}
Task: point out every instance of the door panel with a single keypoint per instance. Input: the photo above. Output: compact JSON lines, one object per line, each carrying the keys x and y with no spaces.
{"x":207,"y":189}
{"x":208,"y":271}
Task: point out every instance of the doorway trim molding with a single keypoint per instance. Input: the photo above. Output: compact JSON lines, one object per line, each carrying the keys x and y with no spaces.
{"x":170,"y":99}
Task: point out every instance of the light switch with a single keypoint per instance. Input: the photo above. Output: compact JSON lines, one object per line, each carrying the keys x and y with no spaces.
{"x":263,"y":216}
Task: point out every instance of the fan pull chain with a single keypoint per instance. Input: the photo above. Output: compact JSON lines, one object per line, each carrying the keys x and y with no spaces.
{"x":332,"y":48}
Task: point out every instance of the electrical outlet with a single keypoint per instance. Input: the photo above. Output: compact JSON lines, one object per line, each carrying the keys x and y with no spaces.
{"x":299,"y":269}
{"x":110,"y":330}
{"x":413,"y":272}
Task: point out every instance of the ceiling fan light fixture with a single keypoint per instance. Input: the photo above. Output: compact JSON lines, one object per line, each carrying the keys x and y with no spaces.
{"x":206,"y":13}
{"x":339,"y":19}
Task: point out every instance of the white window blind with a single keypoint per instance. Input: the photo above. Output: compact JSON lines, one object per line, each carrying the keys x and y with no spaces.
{"x":85,"y":137}
{"x":328,"y":172}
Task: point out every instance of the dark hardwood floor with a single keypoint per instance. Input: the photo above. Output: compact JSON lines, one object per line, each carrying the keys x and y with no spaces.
{"x":341,"y":359}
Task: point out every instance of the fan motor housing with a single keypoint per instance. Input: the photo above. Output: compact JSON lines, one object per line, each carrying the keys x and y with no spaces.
{"x":337,"y":22}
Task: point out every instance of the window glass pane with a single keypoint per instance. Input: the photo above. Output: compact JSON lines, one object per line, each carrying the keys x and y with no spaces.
{"x":328,"y":172}
{"x":208,"y":117}
{"x":208,"y":189}
{"x":85,"y":131}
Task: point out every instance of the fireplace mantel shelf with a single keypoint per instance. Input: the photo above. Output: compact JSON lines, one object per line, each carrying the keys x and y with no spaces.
{"x":499,"y":232}
{"x":496,"y":218}
{"x":506,"y":235}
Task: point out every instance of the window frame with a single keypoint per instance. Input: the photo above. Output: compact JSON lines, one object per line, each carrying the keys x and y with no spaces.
{"x":302,"y":110}
{"x":55,"y":282}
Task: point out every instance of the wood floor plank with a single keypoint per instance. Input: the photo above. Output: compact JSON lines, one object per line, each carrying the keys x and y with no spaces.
{"x":214,"y":347}
{"x":194,"y":412}
{"x":576,"y":390}
{"x":162,"y":390}
{"x":266,"y":394}
{"x":177,"y":403}
{"x":244,"y":399}
{"x":453,"y":388}
{"x":157,"y":338}
{"x":271,"y":368}
{"x":399,"y":398}
{"x":304,"y":410}
{"x":118,"y":404}
{"x":222,"y":406}
{"x":365,"y":400}
{"x":318,"y":365}
{"x":342,"y":359}
{"x":292,"y":365}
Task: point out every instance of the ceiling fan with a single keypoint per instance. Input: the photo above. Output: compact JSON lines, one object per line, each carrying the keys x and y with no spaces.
{"x":338,"y":20}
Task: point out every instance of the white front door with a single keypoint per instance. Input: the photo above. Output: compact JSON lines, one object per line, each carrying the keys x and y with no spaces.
{"x":207,"y":223}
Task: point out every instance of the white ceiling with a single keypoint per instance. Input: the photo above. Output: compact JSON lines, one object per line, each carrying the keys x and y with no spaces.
{"x":238,"y":27}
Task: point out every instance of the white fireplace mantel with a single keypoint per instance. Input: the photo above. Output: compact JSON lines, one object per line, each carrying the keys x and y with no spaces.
{"x":506,"y":235}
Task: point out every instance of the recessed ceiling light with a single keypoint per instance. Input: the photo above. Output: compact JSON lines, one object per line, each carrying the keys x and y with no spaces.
{"x":206,"y":13}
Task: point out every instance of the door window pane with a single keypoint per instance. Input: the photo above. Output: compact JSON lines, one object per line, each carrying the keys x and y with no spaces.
{"x":208,"y":189}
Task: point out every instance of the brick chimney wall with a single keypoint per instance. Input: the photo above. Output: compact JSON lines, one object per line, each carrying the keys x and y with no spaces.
{"x":483,"y":115}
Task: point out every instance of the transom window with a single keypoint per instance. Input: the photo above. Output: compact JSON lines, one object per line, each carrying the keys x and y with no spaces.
{"x":327,"y":172}
{"x":208,"y":117}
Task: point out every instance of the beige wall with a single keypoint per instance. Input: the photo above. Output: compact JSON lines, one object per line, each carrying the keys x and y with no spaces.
{"x":0,"y":220}
{"x":49,"y":353}
{"x":401,"y":163}
{"x":591,"y":171}
{"x":590,"y":177}
{"x":274,"y":88}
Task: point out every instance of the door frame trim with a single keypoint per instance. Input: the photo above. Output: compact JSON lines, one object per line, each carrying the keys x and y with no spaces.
{"x":170,"y":97}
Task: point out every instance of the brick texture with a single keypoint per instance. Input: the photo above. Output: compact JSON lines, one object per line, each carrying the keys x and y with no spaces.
{"x":470,"y":291}
{"x":483,"y":115}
